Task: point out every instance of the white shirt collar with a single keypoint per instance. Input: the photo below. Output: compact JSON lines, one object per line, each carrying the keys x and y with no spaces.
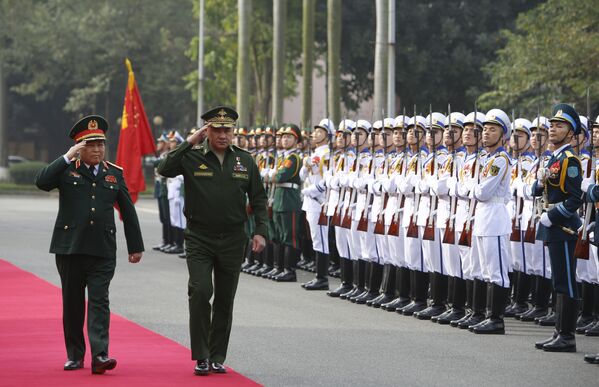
{"x":559,"y":150}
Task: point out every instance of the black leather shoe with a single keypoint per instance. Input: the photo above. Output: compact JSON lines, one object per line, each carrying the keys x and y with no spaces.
{"x":286,"y":276}
{"x":491,"y":326}
{"x":593,"y":330}
{"x":583,"y":321}
{"x":166,"y":247}
{"x":412,"y":307}
{"x":539,"y":344}
{"x":583,"y":329}
{"x":263,"y":269}
{"x":159,"y":247}
{"x":353,"y":292}
{"x":455,"y":323}
{"x":342,"y":289}
{"x":101,"y":364}
{"x":358,"y":295}
{"x":272,"y":274}
{"x":547,"y":321}
{"x":533,"y":313}
{"x":202,"y":368}
{"x":72,"y":365}
{"x":382,"y":299}
{"x":562,"y":343}
{"x":369,"y":296}
{"x":217,"y":368}
{"x":428,"y":313}
{"x":592,"y":358}
{"x":397,"y":303}
{"x":317,"y":284}
{"x":474,"y":320}
{"x":516,"y":309}
{"x":183,"y":256}
{"x":453,"y":314}
{"x":175,"y":250}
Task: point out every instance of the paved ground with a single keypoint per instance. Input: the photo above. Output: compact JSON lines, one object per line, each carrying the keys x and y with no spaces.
{"x":285,"y":336}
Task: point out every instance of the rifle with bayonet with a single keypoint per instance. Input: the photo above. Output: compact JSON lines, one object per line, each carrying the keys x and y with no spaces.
{"x":449,"y":234}
{"x":581,"y":251}
{"x":466,"y":236}
{"x":363,"y":222}
{"x":394,"y":226}
{"x":531,"y":229}
{"x":429,"y":229}
{"x":412,"y":231}
{"x":323,"y":219}
{"x":516,"y":235}
{"x":379,"y":227}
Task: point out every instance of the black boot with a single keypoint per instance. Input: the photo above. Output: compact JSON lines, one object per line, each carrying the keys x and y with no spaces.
{"x":290,"y":260}
{"x":364,"y":276}
{"x":439,"y":296}
{"x":419,"y":288}
{"x":511,"y":301}
{"x":268,"y":263}
{"x":258,"y":260}
{"x":374,"y":283}
{"x":402,"y":288}
{"x":479,"y":298}
{"x":457,"y":310}
{"x":249,"y":257}
{"x":494,"y":324}
{"x":593,"y":328}
{"x":356,"y":281}
{"x":278,"y":259}
{"x":520,"y":306}
{"x":587,"y":302}
{"x":541,"y":300}
{"x":556,"y":305}
{"x":345,"y":265}
{"x":549,"y":320}
{"x":468,"y":307}
{"x":389,"y":287}
{"x":321,"y":282}
{"x":566,"y":313}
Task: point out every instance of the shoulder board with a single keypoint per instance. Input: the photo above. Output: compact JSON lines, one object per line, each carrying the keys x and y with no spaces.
{"x":569,"y":153}
{"x":114,"y":165}
{"x":239,"y":149}
{"x":77,"y":162}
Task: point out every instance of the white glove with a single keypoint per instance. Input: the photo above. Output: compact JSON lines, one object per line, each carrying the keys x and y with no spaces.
{"x":327,"y":174}
{"x":541,"y":176}
{"x":424,"y":185}
{"x":264,"y":172}
{"x":389,"y":185}
{"x":271,"y":174}
{"x":344,"y":180}
{"x":374,"y":187}
{"x":517,"y":186}
{"x":358,"y":183}
{"x":545,"y":220}
{"x":334,"y":182}
{"x":586,"y":183}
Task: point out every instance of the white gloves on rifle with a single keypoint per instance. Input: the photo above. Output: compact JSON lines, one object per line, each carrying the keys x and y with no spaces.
{"x":586,"y":183}
{"x":545,"y":221}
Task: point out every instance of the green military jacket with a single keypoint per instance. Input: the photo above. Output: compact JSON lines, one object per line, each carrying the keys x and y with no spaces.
{"x":288,"y":184}
{"x":216,"y":195}
{"x":85,"y":220}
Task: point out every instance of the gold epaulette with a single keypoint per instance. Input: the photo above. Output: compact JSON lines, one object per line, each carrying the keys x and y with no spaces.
{"x":113,"y":165}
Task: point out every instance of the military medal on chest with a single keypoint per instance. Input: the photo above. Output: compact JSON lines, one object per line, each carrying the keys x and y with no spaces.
{"x":238,"y":167}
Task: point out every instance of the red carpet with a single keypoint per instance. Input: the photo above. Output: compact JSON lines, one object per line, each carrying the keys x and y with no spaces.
{"x":32,"y":347}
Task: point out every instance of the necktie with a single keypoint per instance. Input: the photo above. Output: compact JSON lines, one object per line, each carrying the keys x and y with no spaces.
{"x":92,"y":170}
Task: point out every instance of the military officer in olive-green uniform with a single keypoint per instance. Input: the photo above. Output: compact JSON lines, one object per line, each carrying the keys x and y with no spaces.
{"x":84,"y":238}
{"x":219,"y":177}
{"x":287,"y":202}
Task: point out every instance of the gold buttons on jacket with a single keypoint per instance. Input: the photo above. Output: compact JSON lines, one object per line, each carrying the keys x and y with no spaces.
{"x":91,"y":222}
{"x":93,"y":209}
{"x":66,"y":227}
{"x":93,"y":196}
{"x":93,"y":184}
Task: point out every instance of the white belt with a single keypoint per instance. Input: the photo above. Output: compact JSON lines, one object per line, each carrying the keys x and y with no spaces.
{"x":287,"y":185}
{"x":497,"y":200}
{"x":550,"y":206}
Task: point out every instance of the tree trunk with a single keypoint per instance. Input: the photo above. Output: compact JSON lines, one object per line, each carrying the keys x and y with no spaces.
{"x":243,"y":57}
{"x":278,"y":60}
{"x":380,"y":59}
{"x":308,"y":67}
{"x":391,"y":63}
{"x":334,"y":59}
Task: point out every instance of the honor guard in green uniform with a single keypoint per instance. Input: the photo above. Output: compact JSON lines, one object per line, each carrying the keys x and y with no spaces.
{"x":287,"y":202}
{"x":219,"y":178}
{"x":84,"y":239}
{"x":560,"y":185}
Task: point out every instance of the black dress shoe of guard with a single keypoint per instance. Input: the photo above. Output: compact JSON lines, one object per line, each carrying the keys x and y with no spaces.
{"x":433,"y":310}
{"x":383,"y":299}
{"x":532,"y":314}
{"x":159,"y":247}
{"x":518,"y":310}
{"x":466,"y":317}
{"x":397,"y":303}
{"x":412,"y":307}
{"x":263,"y":269}
{"x":547,"y":321}
{"x":175,"y":250}
{"x":166,"y":247}
{"x":539,"y":344}
{"x":453,"y":314}
{"x":562,"y":343}
{"x":363,"y":293}
{"x":317,"y":284}
{"x":475,"y":319}
{"x":183,"y":256}
{"x":101,"y":364}
{"x":592,"y":358}
{"x":367,"y":297}
{"x":585,"y":328}
{"x":217,"y":368}
{"x":353,"y":292}
{"x":272,"y":274}
{"x":342,"y":289}
{"x":583,"y":321}
{"x":491,"y":326}
{"x":72,"y":365}
{"x":202,"y":368}
{"x":593,"y":330}
{"x":369,"y":302}
{"x":286,"y":276}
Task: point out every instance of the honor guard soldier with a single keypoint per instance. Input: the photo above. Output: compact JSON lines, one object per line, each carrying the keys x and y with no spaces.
{"x":218,"y":179}
{"x":492,"y":225}
{"x":560,"y":186}
{"x":84,"y":238}
{"x":287,"y":202}
{"x":313,"y":171}
{"x":175,"y":201}
{"x":161,"y":195}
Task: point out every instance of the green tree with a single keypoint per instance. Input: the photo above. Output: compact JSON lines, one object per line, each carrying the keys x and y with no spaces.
{"x":550,"y":57}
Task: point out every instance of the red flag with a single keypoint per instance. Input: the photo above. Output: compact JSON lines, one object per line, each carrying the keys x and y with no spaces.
{"x":136,"y":138}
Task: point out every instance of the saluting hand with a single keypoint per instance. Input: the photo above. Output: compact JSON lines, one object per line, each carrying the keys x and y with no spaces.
{"x":74,"y":150}
{"x":135,"y":257}
{"x":258,"y":243}
{"x":198,"y":136}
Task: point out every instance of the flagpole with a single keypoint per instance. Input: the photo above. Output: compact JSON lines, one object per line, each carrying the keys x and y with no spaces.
{"x":200,"y":64}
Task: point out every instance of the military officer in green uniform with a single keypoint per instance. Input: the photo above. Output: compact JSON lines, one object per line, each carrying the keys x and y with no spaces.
{"x":84,"y":238}
{"x":219,"y":177}
{"x":287,"y":202}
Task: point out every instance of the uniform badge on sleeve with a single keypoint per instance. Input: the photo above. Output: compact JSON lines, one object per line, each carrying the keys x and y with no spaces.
{"x":494,"y":171}
{"x":572,"y":172}
{"x":110,"y":179}
{"x":74,"y":174}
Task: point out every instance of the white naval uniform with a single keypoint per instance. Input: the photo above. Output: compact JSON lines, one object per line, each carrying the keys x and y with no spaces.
{"x":174,"y":186}
{"x":492,"y":224}
{"x":433,"y":253}
{"x":339,"y":189}
{"x":314,"y":195}
{"x":378,"y":206}
{"x":393,"y":209}
{"x":586,"y":270}
{"x":521,"y":252}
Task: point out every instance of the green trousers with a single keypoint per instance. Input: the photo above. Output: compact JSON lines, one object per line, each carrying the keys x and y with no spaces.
{"x":78,"y":271}
{"x":220,"y":255}
{"x":287,"y":227}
